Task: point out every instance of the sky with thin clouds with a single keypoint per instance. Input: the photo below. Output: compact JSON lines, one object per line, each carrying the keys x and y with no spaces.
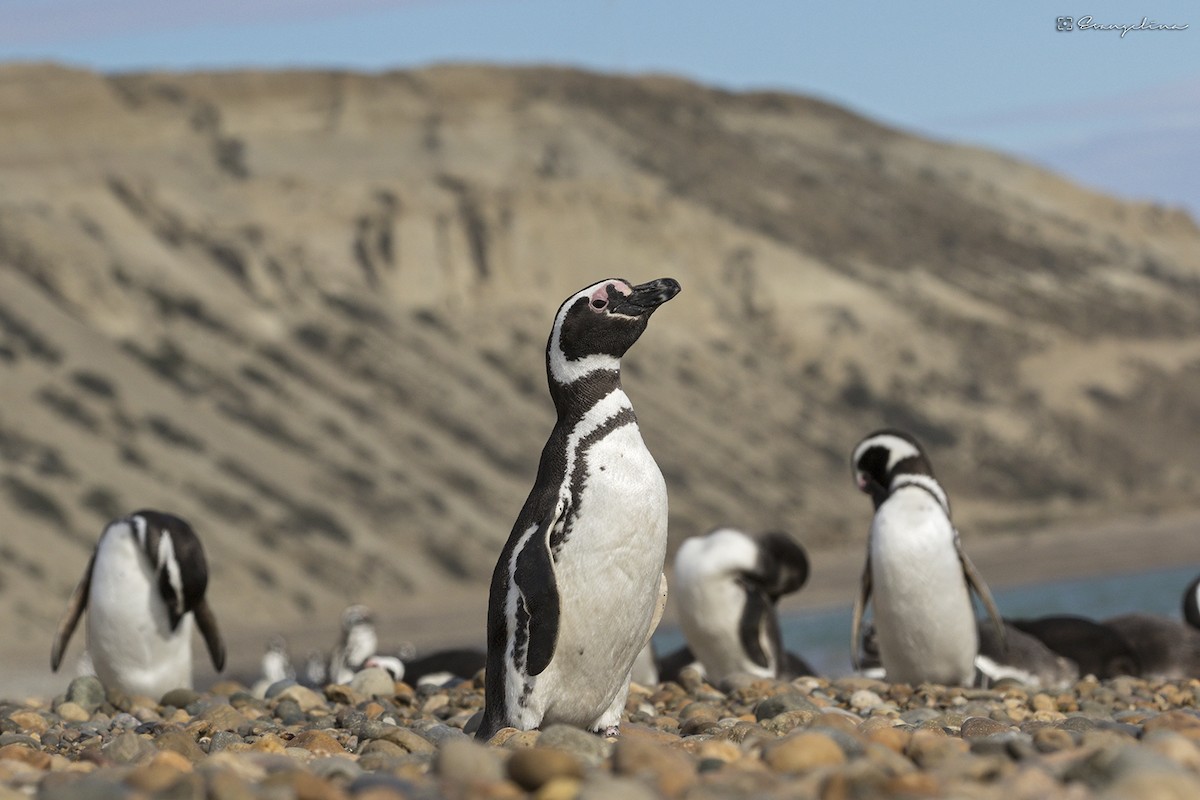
{"x":1121,"y":113}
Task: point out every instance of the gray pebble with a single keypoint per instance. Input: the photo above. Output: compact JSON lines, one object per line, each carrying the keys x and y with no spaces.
{"x":180,"y":698}
{"x":221,"y":740}
{"x":335,"y":768}
{"x":587,"y":746}
{"x":770,"y":707}
{"x":128,"y":748}
{"x":87,"y":692}
{"x":373,"y":682}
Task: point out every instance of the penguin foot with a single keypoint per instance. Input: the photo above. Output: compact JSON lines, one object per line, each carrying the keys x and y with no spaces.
{"x":612,"y":731}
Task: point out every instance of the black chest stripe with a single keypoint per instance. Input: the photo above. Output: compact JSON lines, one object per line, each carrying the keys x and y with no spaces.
{"x":578,"y":478}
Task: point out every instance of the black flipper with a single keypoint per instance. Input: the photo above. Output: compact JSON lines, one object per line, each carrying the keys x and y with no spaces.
{"x":534,"y":576}
{"x":212,"y":636}
{"x":975,"y":581}
{"x":860,"y":608}
{"x":70,"y":618}
{"x":758,"y":612}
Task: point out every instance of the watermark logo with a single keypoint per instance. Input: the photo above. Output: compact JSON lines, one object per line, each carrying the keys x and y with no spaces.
{"x":1088,"y":23}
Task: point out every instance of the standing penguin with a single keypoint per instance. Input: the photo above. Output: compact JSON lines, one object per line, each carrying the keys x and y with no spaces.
{"x":358,"y":643}
{"x":142,"y":588}
{"x":916,"y":568}
{"x":727,"y":585}
{"x":578,"y":588}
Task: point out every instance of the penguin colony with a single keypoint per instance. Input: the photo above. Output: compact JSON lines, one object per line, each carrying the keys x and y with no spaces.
{"x":579,"y":586}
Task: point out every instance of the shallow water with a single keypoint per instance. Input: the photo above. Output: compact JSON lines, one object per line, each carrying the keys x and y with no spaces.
{"x":823,"y":637}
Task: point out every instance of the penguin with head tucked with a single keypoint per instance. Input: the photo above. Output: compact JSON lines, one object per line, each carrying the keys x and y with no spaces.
{"x":916,"y":569}
{"x":143,"y":589}
{"x":727,"y":586}
{"x":579,"y":587}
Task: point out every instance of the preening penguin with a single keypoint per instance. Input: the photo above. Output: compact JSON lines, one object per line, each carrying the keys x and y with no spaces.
{"x":577,"y":590}
{"x":142,"y":588}
{"x":916,"y":568}
{"x":727,"y":585}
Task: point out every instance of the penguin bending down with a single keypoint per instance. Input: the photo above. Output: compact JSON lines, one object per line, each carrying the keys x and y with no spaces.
{"x":916,"y":568}
{"x":142,"y":589}
{"x":1191,"y":603}
{"x":727,"y":587}
{"x":578,"y":588}
{"x":1165,"y":648}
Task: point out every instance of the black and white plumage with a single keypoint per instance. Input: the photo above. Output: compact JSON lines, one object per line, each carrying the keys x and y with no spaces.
{"x":1022,"y":657}
{"x":916,"y":569}
{"x":1095,"y":647}
{"x":578,"y":587}
{"x":439,"y":668}
{"x":142,"y":589}
{"x":727,"y":585}
{"x":276,"y":663}
{"x":1191,"y":603}
{"x":358,"y":642}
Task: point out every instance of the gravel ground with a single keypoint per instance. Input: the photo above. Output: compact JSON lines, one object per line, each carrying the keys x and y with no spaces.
{"x":842,"y":738}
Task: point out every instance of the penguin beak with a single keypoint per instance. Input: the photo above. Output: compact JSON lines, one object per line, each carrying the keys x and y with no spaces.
{"x":644,"y":298}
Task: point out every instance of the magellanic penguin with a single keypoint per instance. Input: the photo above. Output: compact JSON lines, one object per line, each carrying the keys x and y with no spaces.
{"x":1095,"y":647}
{"x":142,"y":588}
{"x":916,"y":568}
{"x":358,"y":643}
{"x":726,"y":588}
{"x":579,"y":588}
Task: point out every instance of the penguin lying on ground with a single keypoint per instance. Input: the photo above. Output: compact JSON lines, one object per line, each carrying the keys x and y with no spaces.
{"x":1022,"y":657}
{"x":1166,"y":649}
{"x":142,"y":588}
{"x":916,"y":568}
{"x":578,"y":588}
{"x":440,"y":668}
{"x":1096,"y":648}
{"x":727,"y":586}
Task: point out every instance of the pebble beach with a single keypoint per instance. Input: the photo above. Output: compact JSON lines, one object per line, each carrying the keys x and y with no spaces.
{"x":811,"y":737}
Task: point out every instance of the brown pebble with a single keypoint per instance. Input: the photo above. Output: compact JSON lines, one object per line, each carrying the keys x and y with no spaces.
{"x":928,"y":749}
{"x":802,"y":752}
{"x":667,"y":769}
{"x":913,"y":784}
{"x":181,"y":743}
{"x":518,"y":740}
{"x":893,"y":739}
{"x":73,"y":712}
{"x":532,"y":768}
{"x":25,"y":755}
{"x":560,"y":788}
{"x":976,"y":727}
{"x":319,"y":742}
{"x":1051,"y":740}
{"x":268,"y":743}
{"x":160,"y":773}
{"x":1171,"y":721}
{"x":840,"y":722}
{"x":219,"y":718}
{"x":409,"y":739}
{"x":30,"y":721}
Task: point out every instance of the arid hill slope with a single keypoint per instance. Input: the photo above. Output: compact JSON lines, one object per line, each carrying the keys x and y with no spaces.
{"x":307,"y":312}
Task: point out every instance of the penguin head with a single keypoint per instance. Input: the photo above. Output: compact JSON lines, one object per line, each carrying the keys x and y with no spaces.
{"x":782,"y":564}
{"x":355,"y":616}
{"x":596,"y":326}
{"x":883,"y":455}
{"x":389,"y":664}
{"x":772,"y":564}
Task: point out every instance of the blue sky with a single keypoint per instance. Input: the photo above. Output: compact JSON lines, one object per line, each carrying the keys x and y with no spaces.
{"x":1119,"y":113}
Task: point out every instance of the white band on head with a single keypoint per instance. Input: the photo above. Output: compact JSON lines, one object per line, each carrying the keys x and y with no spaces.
{"x":564,"y":370}
{"x":898,"y":449}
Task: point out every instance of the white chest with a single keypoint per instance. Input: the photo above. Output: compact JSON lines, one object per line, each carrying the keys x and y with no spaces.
{"x":925,"y":622}
{"x":129,"y":636}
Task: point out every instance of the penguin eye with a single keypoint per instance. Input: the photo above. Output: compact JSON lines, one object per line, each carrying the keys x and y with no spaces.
{"x":599,"y":303}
